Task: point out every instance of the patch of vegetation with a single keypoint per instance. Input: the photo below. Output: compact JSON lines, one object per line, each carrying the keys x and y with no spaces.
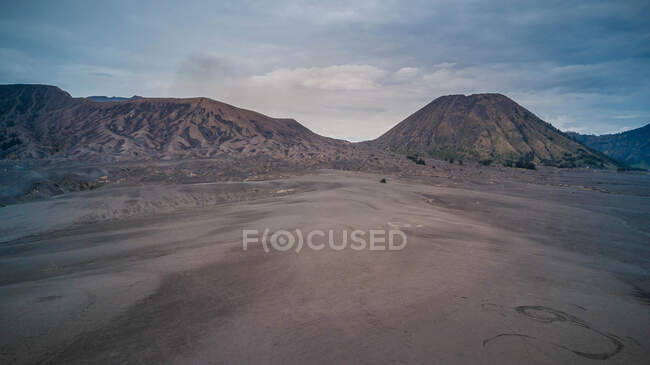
{"x":485,"y":162}
{"x":523,"y":162}
{"x":566,"y":165}
{"x":525,"y":165}
{"x":590,"y":160}
{"x":445,"y":155}
{"x":630,"y":168}
{"x":526,"y":161}
{"x":383,"y":181}
{"x":14,"y":141}
{"x":417,"y":159}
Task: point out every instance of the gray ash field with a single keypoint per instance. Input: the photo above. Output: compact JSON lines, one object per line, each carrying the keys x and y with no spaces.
{"x":319,"y":182}
{"x":502,"y":266}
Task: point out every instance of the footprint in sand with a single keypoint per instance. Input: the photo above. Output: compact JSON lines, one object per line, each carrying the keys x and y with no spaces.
{"x":550,"y":315}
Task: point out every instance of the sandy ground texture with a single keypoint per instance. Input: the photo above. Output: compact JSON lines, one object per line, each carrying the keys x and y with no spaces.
{"x":516,"y":272}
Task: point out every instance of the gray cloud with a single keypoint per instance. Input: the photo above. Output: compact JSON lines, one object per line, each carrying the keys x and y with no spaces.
{"x":346,"y":70}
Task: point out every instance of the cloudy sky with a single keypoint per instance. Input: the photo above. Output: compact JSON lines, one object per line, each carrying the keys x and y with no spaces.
{"x":346,"y":71}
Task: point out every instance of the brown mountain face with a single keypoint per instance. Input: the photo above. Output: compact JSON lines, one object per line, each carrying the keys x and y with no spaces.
{"x":39,"y":121}
{"x":487,"y":127}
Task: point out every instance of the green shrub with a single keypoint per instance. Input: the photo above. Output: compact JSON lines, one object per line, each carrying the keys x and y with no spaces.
{"x":525,"y":165}
{"x":417,"y":159}
{"x":526,"y":161}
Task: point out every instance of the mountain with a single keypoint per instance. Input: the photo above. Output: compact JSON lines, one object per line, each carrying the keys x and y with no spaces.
{"x":110,"y":99}
{"x":40,"y":121}
{"x":487,"y":127}
{"x":631,"y":147}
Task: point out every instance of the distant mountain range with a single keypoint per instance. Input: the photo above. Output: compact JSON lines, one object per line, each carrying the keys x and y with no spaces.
{"x":45,"y":122}
{"x":487,"y":128}
{"x":631,"y":147}
{"x":40,"y":121}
